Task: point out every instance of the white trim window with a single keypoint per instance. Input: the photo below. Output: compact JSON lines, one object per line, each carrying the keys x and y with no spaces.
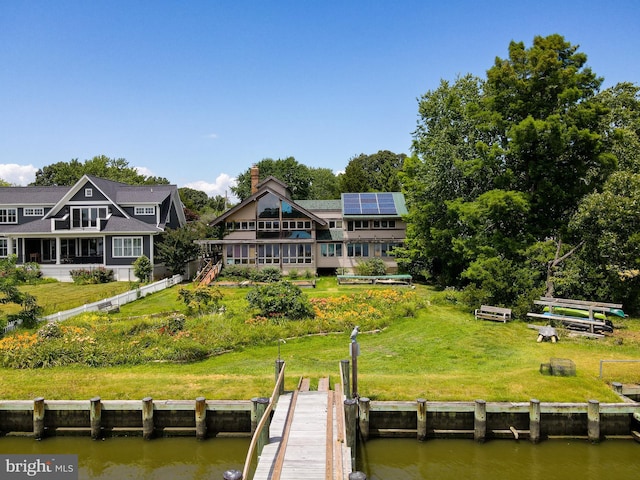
{"x":33,"y":211}
{"x":4,"y":247}
{"x":358,"y":250}
{"x":127,"y":247}
{"x":331,"y":249}
{"x":8,"y":215}
{"x":145,"y":210}
{"x":87,"y":217}
{"x":88,"y":192}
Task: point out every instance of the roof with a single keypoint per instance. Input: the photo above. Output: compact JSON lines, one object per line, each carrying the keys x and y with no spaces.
{"x":373,"y":205}
{"x":317,"y":205}
{"x":40,"y":196}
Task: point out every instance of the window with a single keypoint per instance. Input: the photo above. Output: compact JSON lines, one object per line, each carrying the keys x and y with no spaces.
{"x":268,"y":254}
{"x":384,"y":224}
{"x":127,"y":246}
{"x":335,"y":223}
{"x":87,"y":217}
{"x":145,"y":210}
{"x":88,"y":192}
{"x":383,"y":249}
{"x":4,"y":247}
{"x":296,"y":253}
{"x":33,"y":211}
{"x":241,"y":254}
{"x":331,"y":249}
{"x":8,"y":215}
{"x":358,"y":250}
{"x":357,"y":225}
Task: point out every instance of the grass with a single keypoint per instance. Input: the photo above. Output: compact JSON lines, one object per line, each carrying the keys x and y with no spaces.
{"x":440,"y":353}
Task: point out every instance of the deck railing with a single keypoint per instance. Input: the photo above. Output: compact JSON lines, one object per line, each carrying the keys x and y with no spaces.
{"x":263,"y":421}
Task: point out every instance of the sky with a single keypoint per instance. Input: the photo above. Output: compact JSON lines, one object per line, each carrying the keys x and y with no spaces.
{"x":198,"y":91}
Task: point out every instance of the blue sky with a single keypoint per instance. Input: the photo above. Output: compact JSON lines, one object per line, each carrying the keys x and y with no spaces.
{"x":197,"y":91}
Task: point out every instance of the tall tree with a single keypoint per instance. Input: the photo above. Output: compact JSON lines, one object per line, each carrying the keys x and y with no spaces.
{"x":501,"y":164}
{"x":288,"y":170}
{"x":373,"y":173}
{"x":324,"y":184}
{"x":68,"y":173}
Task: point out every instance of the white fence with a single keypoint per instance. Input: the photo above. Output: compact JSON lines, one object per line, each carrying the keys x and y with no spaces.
{"x":118,"y":300}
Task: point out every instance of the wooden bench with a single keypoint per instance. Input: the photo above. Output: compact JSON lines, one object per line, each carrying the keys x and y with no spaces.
{"x":488,"y":312}
{"x":108,"y":307}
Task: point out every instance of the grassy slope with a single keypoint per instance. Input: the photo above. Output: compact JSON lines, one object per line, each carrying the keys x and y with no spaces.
{"x":441,"y":354}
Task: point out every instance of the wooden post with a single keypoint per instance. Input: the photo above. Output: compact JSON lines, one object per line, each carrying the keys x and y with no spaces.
{"x":422,"y":419}
{"x":38,"y":418}
{"x":617,"y":387}
{"x":147,"y":418}
{"x":95,"y":416}
{"x":279,"y":365}
{"x":261,"y":404}
{"x":346,"y":384}
{"x":593,"y":421}
{"x":480,"y":421}
{"x":350,"y":414}
{"x":232,"y":475}
{"x":201,"y":418}
{"x":365,"y":406}
{"x":354,"y":368}
{"x":534,"y":420}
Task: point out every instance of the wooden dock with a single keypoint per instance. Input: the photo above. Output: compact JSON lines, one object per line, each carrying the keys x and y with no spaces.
{"x":307,"y":438}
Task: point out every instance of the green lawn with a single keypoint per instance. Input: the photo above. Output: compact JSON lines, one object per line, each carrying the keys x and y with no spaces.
{"x":439,"y":353}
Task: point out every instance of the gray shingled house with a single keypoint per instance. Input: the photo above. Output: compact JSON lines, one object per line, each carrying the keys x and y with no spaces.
{"x":94,"y":223}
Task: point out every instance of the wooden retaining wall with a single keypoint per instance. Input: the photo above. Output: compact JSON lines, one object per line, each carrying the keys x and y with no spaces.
{"x":482,"y":420}
{"x":147,"y":417}
{"x":421,"y":419}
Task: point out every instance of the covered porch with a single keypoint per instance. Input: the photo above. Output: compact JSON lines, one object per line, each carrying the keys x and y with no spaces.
{"x":62,"y":250}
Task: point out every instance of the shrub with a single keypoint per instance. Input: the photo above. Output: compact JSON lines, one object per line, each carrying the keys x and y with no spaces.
{"x":371,"y":266}
{"x":282,"y":299}
{"x":142,"y":268}
{"x":266,"y":275}
{"x":28,"y":273}
{"x":202,"y":299}
{"x":83,"y":276}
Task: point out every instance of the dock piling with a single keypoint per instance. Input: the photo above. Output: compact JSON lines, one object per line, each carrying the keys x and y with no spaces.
{"x":95,"y":416}
{"x":147,"y":418}
{"x":201,"y":418}
{"x":365,"y":405}
{"x":480,"y":421}
{"x":38,"y":418}
{"x":534,"y":420}
{"x":422,"y":418}
{"x":593,"y":421}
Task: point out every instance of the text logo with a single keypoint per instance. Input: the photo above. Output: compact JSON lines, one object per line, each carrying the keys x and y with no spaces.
{"x":45,"y":466}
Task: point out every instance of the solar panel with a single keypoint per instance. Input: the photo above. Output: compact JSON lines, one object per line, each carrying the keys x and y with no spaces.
{"x":369,"y":204}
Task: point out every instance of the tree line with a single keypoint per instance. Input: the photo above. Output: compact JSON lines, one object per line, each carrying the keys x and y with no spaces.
{"x":521,"y":183}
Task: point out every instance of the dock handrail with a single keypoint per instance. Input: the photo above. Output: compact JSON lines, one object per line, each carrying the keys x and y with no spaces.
{"x":254,"y":440}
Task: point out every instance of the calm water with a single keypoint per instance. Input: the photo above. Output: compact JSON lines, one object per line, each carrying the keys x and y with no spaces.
{"x":397,"y":459}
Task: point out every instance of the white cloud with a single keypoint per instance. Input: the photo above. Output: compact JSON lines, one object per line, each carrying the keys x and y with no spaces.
{"x":144,"y":171}
{"x":17,"y":174}
{"x":212,"y":136}
{"x":221,"y":186}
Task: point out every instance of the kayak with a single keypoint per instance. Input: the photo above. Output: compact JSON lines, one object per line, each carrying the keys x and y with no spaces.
{"x":575,"y":312}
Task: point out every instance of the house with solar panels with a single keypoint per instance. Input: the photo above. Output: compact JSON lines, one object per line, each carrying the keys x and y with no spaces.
{"x":269,"y":229}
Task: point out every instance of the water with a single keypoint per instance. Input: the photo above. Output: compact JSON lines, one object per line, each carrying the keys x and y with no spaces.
{"x":134,"y":458}
{"x":406,"y":459}
{"x":382,"y":459}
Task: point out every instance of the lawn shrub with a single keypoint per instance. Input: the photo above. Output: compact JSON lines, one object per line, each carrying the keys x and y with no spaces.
{"x":372,"y":267}
{"x":266,"y":275}
{"x":83,"y":276}
{"x":280,"y":300}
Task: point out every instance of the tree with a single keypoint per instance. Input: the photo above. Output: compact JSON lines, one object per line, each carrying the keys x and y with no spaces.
{"x":194,"y":199}
{"x":280,"y":300}
{"x":373,"y":173}
{"x":295,"y":175}
{"x":10,"y":276}
{"x":500,"y":165}
{"x":177,"y":248}
{"x":116,"y":169}
{"x":325,"y":185}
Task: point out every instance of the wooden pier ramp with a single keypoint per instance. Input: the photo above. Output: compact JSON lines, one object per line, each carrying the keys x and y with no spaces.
{"x":307,"y":437}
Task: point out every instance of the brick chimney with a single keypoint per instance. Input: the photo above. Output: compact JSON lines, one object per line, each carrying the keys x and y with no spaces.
{"x":255,"y":178}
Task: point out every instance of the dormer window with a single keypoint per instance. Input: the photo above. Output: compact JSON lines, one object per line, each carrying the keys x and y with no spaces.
{"x":88,"y":192}
{"x":33,"y":211}
{"x":145,"y":210}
